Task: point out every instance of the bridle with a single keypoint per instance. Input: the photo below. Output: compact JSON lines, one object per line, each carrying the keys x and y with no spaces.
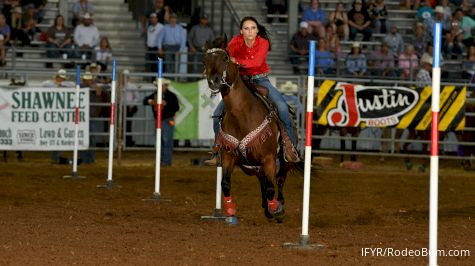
{"x":216,"y":88}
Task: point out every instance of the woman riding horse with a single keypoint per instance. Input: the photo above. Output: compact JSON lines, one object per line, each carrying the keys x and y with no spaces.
{"x":249,"y":50}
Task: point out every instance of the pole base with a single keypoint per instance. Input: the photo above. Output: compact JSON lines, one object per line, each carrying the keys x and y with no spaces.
{"x":304,"y":244}
{"x":217,"y":215}
{"x":74,"y":176}
{"x":157,"y":198}
{"x":109,"y":185}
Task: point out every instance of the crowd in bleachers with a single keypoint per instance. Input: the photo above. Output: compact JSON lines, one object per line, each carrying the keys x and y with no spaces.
{"x":391,"y":54}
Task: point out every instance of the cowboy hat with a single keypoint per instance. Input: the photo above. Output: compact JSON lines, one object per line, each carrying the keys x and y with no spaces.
{"x":426,"y":59}
{"x":164,"y":82}
{"x":61,"y":74}
{"x":87,"y":76}
{"x":93,"y":65}
{"x":288,"y":87}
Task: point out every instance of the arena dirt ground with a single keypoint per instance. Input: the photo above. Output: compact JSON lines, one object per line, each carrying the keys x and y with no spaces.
{"x":46,"y":220}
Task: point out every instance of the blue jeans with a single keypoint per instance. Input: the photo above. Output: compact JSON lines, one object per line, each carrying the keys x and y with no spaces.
{"x":89,"y":156}
{"x":275,"y":97}
{"x":167,"y":141}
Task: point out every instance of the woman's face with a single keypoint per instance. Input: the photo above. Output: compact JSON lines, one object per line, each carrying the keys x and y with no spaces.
{"x":60,"y":21}
{"x":104,"y":43}
{"x":340,"y":8}
{"x":471,"y":50}
{"x":249,"y":30}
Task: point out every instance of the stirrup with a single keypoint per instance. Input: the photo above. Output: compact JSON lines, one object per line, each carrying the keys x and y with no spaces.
{"x":214,"y":159}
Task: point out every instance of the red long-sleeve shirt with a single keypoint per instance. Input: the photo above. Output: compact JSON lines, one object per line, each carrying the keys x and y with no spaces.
{"x":253,"y":60}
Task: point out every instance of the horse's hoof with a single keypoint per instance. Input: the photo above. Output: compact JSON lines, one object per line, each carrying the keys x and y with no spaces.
{"x":268,"y":214}
{"x":231,"y":220}
{"x":280,"y":216}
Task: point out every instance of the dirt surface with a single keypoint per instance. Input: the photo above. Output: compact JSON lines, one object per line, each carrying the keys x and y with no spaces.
{"x":46,"y":220}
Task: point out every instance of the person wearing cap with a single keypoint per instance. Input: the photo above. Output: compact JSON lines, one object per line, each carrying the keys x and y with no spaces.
{"x":299,"y":46}
{"x":161,"y":10}
{"x":5,"y":32}
{"x":423,"y":77}
{"x":153,"y":30}
{"x":80,"y":8}
{"x":316,"y":19}
{"x":171,"y":42}
{"x":86,"y":36}
{"x":289,"y":91}
{"x":356,"y":61}
{"x":276,"y":6}
{"x":169,"y":108}
{"x":59,"y":40}
{"x":436,"y":17}
{"x":419,"y":39}
{"x":197,"y":38}
{"x":359,"y":21}
{"x":394,"y":40}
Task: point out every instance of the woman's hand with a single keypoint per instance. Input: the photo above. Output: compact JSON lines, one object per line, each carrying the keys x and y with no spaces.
{"x":233,"y":60}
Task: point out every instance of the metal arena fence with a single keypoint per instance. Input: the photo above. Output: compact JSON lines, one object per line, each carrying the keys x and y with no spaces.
{"x":141,"y":134}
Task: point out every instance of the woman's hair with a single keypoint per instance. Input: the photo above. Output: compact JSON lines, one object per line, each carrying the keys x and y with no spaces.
{"x":107,"y":41}
{"x":262,"y":31}
{"x":56,"y":20}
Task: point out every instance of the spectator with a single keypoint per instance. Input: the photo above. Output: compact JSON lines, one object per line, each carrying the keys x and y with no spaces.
{"x":169,"y":108}
{"x":161,"y":10}
{"x":452,"y":44}
{"x":471,"y":13}
{"x":103,"y":53}
{"x":59,"y":40}
{"x":423,"y":77}
{"x":437,"y":17}
{"x":425,"y":11}
{"x":298,"y":47}
{"x":408,"y":62}
{"x":4,"y":38}
{"x":469,"y":65}
{"x":394,"y":41}
{"x":19,"y":30}
{"x":381,"y":62}
{"x":198,"y":36}
{"x":80,"y":9}
{"x":8,"y":7}
{"x":332,"y":41}
{"x":324,"y":61}
{"x":274,"y":6}
{"x":359,"y":21}
{"x":447,"y":10}
{"x":38,"y":8}
{"x":131,"y":102}
{"x":171,"y":41}
{"x":379,"y":16}
{"x":59,"y":81}
{"x":289,"y":91}
{"x":87,"y":81}
{"x":86,"y":36}
{"x":356,"y":61}
{"x":419,"y":39}
{"x":316,"y":19}
{"x":95,"y":70}
{"x":153,"y":31}
{"x":338,"y":20}
{"x":466,"y":24}
{"x":99,"y":111}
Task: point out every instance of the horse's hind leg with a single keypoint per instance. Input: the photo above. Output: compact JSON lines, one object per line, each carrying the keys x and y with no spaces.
{"x":274,"y":206}
{"x":262,"y":182}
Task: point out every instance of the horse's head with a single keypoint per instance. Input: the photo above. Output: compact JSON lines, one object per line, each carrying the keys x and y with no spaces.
{"x":216,"y":61}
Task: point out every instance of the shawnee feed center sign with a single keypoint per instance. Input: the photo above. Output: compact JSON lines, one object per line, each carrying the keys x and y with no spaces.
{"x":42,"y":119}
{"x":351,"y":105}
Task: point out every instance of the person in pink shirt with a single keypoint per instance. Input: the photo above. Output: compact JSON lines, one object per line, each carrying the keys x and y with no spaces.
{"x":408,"y":62}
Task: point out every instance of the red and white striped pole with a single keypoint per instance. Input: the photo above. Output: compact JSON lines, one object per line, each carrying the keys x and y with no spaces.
{"x":434,"y":147}
{"x":158,"y":141}
{"x":109,"y":183}
{"x":74,"y":174}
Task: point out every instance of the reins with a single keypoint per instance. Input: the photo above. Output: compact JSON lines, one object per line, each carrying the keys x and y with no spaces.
{"x":223,"y":81}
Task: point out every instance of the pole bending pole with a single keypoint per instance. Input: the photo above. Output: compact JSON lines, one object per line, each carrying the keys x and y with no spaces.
{"x":74,"y":174}
{"x":434,"y":149}
{"x":304,"y":238}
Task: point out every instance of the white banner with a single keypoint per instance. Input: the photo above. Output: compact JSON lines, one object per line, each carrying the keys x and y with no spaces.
{"x":42,"y":119}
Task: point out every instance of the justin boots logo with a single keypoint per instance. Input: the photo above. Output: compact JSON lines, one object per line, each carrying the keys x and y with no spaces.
{"x":374,"y":106}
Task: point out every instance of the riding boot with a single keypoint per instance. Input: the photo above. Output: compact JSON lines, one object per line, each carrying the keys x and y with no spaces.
{"x":214,"y":159}
{"x":290,"y":153}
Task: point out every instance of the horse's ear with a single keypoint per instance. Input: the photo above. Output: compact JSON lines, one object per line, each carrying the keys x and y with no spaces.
{"x":208,"y":45}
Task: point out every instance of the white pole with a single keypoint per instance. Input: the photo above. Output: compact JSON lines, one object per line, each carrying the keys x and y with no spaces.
{"x":158,"y":141}
{"x":76,"y":124}
{"x":308,"y":146}
{"x":434,"y":151}
{"x":219,"y":177}
{"x":112,"y":124}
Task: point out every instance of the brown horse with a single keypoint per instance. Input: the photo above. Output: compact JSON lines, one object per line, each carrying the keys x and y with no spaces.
{"x":249,"y":135}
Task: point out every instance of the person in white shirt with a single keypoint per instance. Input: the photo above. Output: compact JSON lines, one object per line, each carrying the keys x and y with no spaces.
{"x":86,"y":36}
{"x":131,"y":101}
{"x":153,"y":30}
{"x":103,"y":53}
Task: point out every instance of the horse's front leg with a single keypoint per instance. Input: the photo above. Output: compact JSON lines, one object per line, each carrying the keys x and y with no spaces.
{"x":228,"y":163}
{"x":273,"y":205}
